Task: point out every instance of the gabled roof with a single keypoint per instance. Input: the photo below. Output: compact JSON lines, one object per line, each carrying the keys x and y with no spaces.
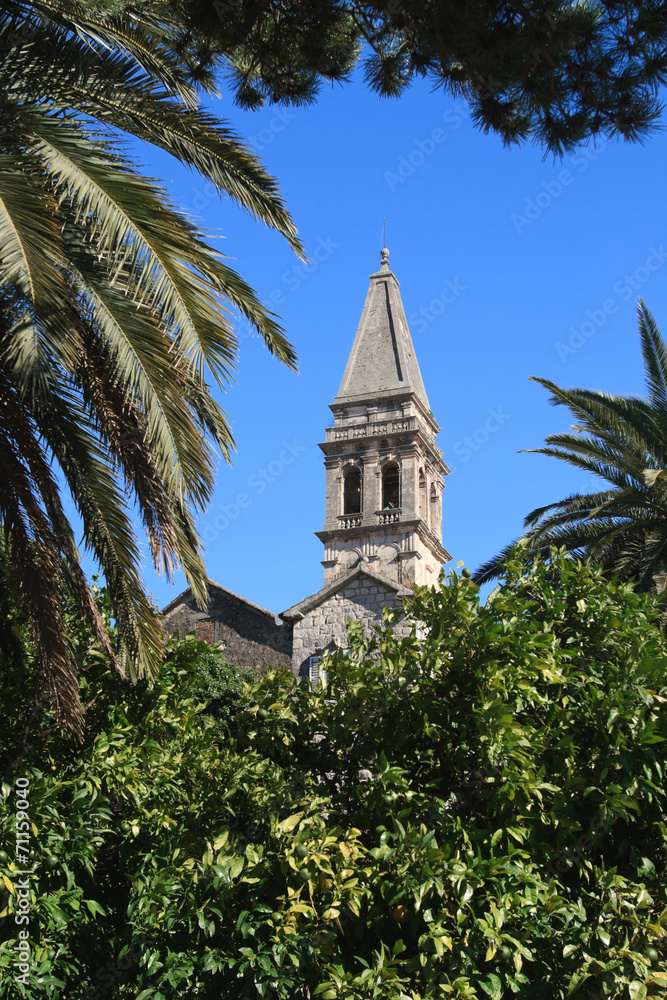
{"x":213,"y":585}
{"x":382,"y":362}
{"x":301,"y":609}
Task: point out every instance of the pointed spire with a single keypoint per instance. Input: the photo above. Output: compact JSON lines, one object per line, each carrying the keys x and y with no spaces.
{"x":382,"y":362}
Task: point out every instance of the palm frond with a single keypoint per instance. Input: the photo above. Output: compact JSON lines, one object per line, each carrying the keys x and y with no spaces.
{"x":115,"y":313}
{"x":146,"y":40}
{"x":108,"y":85}
{"x":608,"y":472}
{"x":654,"y":352}
{"x":623,"y":441}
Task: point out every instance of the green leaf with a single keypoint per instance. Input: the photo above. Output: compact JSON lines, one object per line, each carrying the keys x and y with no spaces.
{"x":291,"y":822}
{"x":236,"y":867}
{"x":492,"y":985}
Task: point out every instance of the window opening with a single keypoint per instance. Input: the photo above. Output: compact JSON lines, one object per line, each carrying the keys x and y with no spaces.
{"x":434,"y":506}
{"x":390,"y":486}
{"x":316,"y":674}
{"x":352,"y":491}
{"x":422,"y":495}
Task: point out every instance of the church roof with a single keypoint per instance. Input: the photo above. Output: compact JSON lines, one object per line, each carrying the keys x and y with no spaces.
{"x":301,"y":609}
{"x":382,"y":361}
{"x":212,"y":585}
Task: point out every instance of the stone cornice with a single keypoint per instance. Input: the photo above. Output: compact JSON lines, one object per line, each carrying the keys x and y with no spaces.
{"x":401,"y":432}
{"x":397,"y":397}
{"x":395,"y":528}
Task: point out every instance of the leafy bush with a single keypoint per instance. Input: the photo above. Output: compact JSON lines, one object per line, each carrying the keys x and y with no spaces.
{"x":474,"y":811}
{"x":220,"y":684}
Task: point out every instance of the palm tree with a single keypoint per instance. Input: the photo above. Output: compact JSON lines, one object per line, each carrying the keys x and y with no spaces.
{"x":623,"y":441}
{"x":114,"y":313}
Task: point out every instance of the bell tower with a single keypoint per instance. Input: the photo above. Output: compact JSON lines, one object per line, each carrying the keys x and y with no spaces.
{"x":384,"y":471}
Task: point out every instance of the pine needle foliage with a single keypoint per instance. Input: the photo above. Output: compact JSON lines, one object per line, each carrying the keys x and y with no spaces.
{"x":115,"y":316}
{"x":550,"y":71}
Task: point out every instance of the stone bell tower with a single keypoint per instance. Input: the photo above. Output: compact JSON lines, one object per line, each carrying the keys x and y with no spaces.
{"x":384,"y":471}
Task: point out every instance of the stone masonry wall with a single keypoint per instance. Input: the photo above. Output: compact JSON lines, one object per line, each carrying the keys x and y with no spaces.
{"x":250,"y":636}
{"x":324,"y":626}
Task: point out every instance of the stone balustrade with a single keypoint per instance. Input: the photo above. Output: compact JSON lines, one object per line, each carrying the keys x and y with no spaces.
{"x":349,"y":520}
{"x":389,"y":516}
{"x":352,"y":432}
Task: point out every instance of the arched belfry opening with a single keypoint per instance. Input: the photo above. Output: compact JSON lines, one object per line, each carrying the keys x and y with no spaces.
{"x":391,"y":486}
{"x":352,"y":490}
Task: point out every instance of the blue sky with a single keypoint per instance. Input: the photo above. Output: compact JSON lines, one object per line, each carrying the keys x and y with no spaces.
{"x":510,"y":265}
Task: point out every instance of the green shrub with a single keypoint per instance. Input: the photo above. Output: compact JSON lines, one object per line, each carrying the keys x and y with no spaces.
{"x":476,"y":810}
